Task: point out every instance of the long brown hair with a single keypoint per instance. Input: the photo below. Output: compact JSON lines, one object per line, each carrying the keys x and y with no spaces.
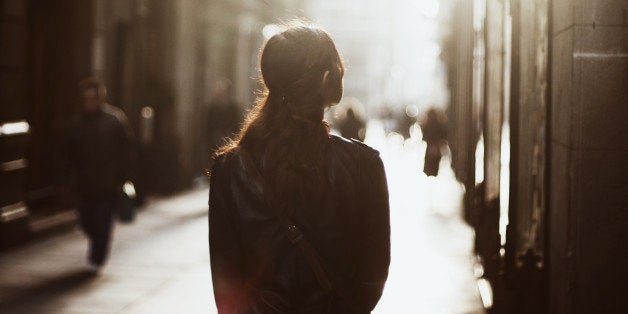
{"x":301,"y":73}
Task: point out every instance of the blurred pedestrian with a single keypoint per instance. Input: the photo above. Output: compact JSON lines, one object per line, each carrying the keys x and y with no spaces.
{"x":435,"y":135}
{"x":298,"y":218}
{"x":352,"y":126}
{"x":407,"y":118}
{"x":224,"y":115}
{"x":99,"y":147}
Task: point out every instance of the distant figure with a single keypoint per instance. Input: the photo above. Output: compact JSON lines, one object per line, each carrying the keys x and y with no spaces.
{"x":435,"y":135}
{"x":352,"y":126}
{"x":298,"y":218}
{"x":224,"y":115}
{"x":99,"y":148}
{"x":406,"y":121}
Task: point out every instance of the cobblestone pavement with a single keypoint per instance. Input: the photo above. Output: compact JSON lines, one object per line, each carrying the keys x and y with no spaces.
{"x":160,"y":263}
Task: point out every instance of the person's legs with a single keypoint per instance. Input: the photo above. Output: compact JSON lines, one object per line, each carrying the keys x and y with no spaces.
{"x":430,"y":166}
{"x":432,"y":160}
{"x":102,"y":225}
{"x":86,"y":219}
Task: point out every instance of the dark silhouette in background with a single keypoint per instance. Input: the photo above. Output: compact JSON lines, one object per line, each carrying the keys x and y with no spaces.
{"x":99,"y":155}
{"x":224,"y":115}
{"x":405,"y":124}
{"x":435,"y":135}
{"x":352,"y":126}
{"x":298,"y":219}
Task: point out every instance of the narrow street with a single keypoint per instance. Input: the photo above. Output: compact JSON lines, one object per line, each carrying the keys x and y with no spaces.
{"x":160,"y":263}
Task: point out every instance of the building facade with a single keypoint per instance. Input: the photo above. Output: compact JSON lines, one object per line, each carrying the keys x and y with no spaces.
{"x":159,"y":60}
{"x":544,"y":83}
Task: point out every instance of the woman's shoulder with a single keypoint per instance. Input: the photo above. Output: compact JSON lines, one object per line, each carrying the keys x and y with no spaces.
{"x":352,"y":146}
{"x":353,"y":150}
{"x":222,"y":161}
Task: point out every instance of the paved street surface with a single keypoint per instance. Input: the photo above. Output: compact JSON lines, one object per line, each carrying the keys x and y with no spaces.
{"x":160,"y":263}
{"x":432,"y":260}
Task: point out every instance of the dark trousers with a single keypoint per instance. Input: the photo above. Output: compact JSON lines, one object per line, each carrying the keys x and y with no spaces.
{"x":96,"y":215}
{"x":432,"y":160}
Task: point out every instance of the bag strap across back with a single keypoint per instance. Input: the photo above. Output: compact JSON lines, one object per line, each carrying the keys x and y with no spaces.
{"x":296,"y":237}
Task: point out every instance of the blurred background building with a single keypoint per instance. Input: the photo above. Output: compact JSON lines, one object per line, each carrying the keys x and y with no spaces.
{"x":539,"y":139}
{"x":390,"y":50}
{"x":159,"y":60}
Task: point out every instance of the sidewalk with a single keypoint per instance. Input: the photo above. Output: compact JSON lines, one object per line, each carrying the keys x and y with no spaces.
{"x":159,"y":264}
{"x":432,"y":262}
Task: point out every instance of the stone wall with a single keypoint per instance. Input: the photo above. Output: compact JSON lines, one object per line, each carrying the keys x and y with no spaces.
{"x":528,"y":125}
{"x":589,"y":163}
{"x":494,"y":96}
{"x":459,"y":55}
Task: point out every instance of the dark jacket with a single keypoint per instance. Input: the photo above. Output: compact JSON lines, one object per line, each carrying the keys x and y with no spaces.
{"x":99,"y":152}
{"x":349,"y":228}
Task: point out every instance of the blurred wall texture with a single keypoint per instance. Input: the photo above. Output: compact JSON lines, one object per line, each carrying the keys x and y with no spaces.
{"x":544,"y":83}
